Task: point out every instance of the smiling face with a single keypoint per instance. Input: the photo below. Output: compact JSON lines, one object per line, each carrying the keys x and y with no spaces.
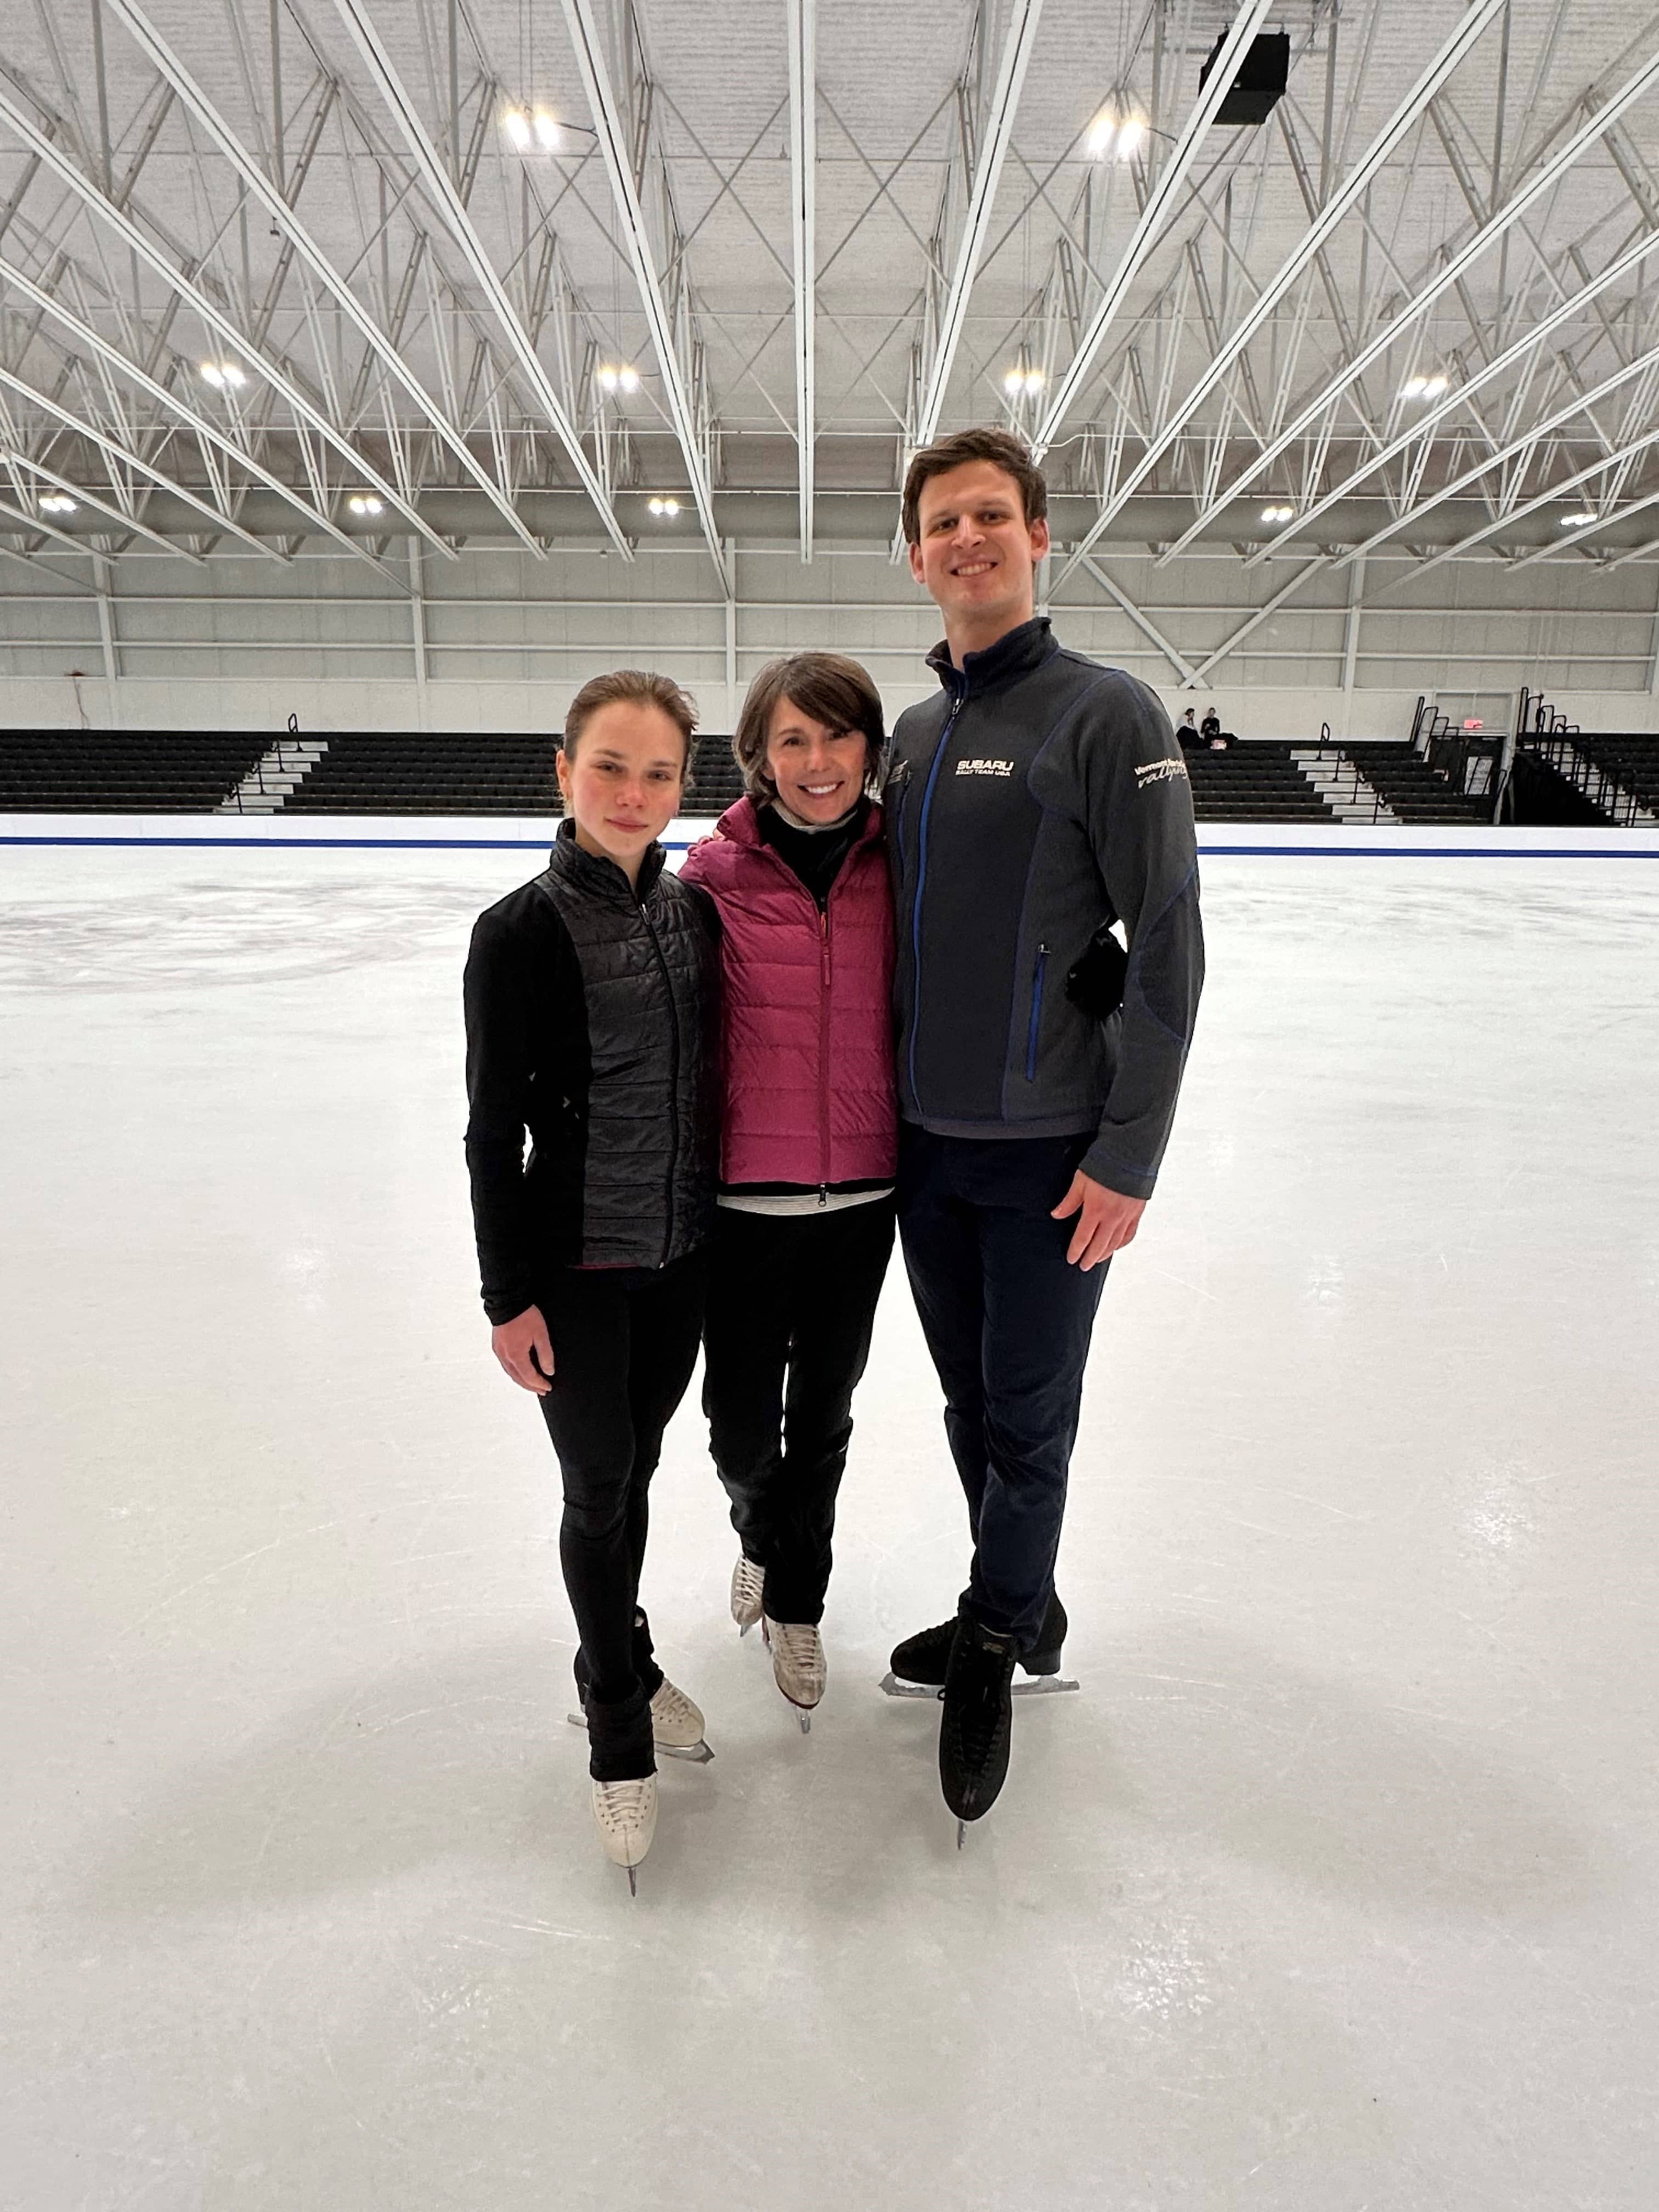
{"x":819,"y":772}
{"x":976,"y":554}
{"x":623,"y":782}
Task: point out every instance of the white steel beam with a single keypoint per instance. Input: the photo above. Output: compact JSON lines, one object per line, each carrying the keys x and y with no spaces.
{"x":127,"y":524}
{"x":114,"y":450}
{"x":614,"y":145}
{"x":1424,"y":426}
{"x":441,"y":187}
{"x":1533,"y":435}
{"x":1444,"y":277}
{"x":803,"y":207}
{"x":278,"y":210}
{"x":993,"y":145}
{"x":1318,"y":234}
{"x":1148,"y":628}
{"x":1161,"y":203}
{"x":94,"y":343}
{"x":1260,"y":614}
{"x":1568,"y":538}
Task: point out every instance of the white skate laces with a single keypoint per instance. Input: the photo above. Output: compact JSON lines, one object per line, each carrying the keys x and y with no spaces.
{"x":748,"y":1588}
{"x":626,"y":1813}
{"x":797,"y":1662}
{"x":675,"y":1722}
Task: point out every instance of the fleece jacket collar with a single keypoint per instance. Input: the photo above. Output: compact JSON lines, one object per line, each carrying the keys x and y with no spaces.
{"x":1015,"y":653}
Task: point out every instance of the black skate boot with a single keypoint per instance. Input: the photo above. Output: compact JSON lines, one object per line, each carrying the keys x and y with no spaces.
{"x":976,"y":1728}
{"x":924,"y":1658}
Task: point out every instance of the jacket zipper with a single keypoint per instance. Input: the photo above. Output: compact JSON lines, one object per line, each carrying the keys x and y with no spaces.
{"x":824,"y":1052}
{"x":1037,"y":1014}
{"x":921,"y":885}
{"x":674,"y":1085}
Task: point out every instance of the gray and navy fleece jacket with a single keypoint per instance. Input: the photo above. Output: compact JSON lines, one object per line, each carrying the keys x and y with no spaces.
{"x":1040,"y":798}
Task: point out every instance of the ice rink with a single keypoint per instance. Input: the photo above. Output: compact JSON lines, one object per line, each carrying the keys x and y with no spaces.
{"x":1334,"y":1890}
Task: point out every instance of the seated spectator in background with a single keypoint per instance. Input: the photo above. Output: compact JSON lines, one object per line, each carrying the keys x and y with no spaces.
{"x":1211,"y":731}
{"x":1188,"y":733}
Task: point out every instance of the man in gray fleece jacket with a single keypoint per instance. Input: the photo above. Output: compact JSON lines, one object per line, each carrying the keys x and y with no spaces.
{"x":1038,"y":800}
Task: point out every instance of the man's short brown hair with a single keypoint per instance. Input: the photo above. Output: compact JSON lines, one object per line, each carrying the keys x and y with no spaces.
{"x":1005,"y":449}
{"x":828,"y":688}
{"x":638,"y":687}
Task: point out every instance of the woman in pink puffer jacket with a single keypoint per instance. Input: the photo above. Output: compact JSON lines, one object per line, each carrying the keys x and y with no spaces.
{"x":809,"y":1143}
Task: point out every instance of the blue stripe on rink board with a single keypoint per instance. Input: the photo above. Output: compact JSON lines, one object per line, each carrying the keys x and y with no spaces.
{"x":1493,"y":852}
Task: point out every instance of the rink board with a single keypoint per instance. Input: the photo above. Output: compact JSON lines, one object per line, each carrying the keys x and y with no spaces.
{"x":501,"y":833}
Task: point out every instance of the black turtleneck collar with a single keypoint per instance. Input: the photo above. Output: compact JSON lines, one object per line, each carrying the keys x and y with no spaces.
{"x":1016,"y":653}
{"x":594,"y":873}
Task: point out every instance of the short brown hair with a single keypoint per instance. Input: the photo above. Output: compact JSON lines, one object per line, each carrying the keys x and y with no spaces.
{"x":832,"y":689}
{"x":639,"y":688}
{"x":1005,"y":449}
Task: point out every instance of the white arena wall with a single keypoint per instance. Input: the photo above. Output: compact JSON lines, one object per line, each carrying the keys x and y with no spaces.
{"x":497,"y":639}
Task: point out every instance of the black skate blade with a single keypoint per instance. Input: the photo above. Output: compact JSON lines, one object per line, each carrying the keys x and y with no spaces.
{"x":633,"y":1886}
{"x":961,"y":1830}
{"x":698,"y":1754}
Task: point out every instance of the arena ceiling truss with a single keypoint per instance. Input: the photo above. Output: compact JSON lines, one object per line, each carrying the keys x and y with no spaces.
{"x":410,"y":277}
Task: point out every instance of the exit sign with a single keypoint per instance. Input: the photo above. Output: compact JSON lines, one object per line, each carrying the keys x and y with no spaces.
{"x":1474,"y":722}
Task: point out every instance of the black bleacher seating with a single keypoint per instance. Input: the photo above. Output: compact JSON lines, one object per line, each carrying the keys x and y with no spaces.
{"x":404,"y":772}
{"x":716,"y":780}
{"x":123,"y":771}
{"x":1541,"y":798}
{"x":1412,"y":789}
{"x":1251,"y":781}
{"x":1632,"y":759}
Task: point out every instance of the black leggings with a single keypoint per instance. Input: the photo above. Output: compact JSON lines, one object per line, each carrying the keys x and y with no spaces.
{"x":624,"y":1345}
{"x":791,"y":1301}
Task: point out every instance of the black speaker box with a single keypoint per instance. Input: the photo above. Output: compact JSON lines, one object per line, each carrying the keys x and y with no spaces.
{"x":1260,"y":84}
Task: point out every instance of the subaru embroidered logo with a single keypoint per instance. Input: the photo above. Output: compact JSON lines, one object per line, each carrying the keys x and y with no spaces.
{"x":985,"y":768}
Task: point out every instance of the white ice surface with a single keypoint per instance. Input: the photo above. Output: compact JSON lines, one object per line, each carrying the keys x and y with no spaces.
{"x":1335,"y":1889}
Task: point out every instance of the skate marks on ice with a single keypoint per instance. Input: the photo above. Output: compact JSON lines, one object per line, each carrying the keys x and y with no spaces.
{"x":209,"y":932}
{"x":1217,"y":1744}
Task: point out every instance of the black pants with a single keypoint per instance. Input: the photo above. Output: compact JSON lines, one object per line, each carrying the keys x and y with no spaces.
{"x":1007,"y":1321}
{"x":625,"y":1344}
{"x":792,"y":1302}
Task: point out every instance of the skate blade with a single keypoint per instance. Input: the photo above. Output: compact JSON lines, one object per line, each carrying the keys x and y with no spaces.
{"x":961,"y":1830}
{"x":894,"y":1685}
{"x":633,"y":1885}
{"x":698,"y":1754}
{"x":744,"y":1627}
{"x":805,"y":1720}
{"x":1038,"y":1686}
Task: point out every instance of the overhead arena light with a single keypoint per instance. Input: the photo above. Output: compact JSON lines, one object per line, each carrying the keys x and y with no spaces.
{"x":547,"y":131}
{"x":516,"y":124}
{"x":1278,"y":514}
{"x":364,"y":502}
{"x":57,"y":503}
{"x":664,"y":506}
{"x":1568,"y":521}
{"x":1019,"y":381}
{"x":1424,"y":387}
{"x":223,"y":375}
{"x":618,"y":380}
{"x":1120,"y":138}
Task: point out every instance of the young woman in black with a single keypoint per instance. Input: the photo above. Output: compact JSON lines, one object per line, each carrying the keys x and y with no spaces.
{"x":590,"y":1003}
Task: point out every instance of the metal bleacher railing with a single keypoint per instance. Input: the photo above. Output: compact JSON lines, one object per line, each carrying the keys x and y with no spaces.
{"x":1549,"y":736}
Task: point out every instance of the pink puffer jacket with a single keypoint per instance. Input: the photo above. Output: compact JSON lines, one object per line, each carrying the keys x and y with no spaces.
{"x":807,"y":1019}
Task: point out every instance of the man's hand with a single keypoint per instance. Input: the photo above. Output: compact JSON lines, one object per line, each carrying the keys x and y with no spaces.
{"x":1107,"y":1221}
{"x":525,"y":1351}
